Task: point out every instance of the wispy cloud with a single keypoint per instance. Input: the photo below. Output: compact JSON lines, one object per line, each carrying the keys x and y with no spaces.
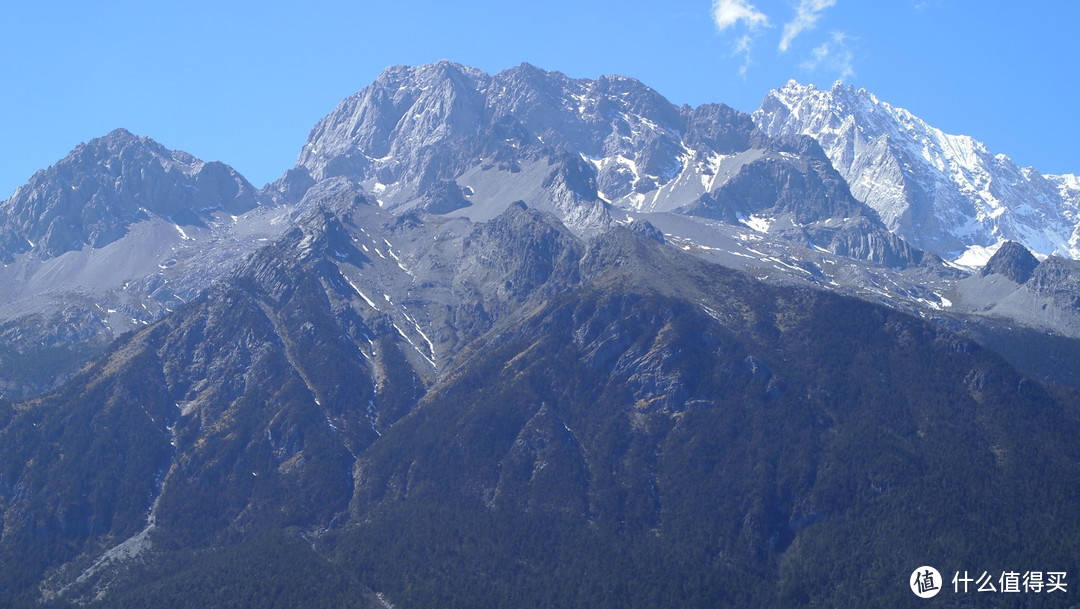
{"x":731,"y":13}
{"x":742,"y":48}
{"x":834,"y":56}
{"x":728,"y":13}
{"x":807,"y":14}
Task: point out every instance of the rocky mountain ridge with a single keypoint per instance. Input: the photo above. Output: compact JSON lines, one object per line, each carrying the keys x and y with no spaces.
{"x":520,"y":339}
{"x":90,"y":197}
{"x":590,"y":151}
{"x":451,"y":141}
{"x":119,"y":232}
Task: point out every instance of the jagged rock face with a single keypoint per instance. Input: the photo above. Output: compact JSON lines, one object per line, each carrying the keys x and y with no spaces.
{"x":943,"y":193}
{"x":102,"y":187}
{"x":403,"y":115}
{"x":863,"y":240}
{"x":1037,"y":301}
{"x":801,"y":197}
{"x":113,"y":236}
{"x":804,"y":186}
{"x":1013,"y":261}
{"x":448,"y":139}
{"x":273,"y":380}
{"x":723,"y":129}
{"x":1058,"y":279}
{"x":42,"y":349}
{"x":415,"y":124}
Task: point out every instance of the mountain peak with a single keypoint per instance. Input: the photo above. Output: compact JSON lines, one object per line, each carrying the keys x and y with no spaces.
{"x":116,"y":140}
{"x":943,"y":193}
{"x":388,"y":130}
{"x":418,"y":77}
{"x":120,"y":134}
{"x":444,"y":68}
{"x":101,"y":187}
{"x":526,"y":72}
{"x":426,"y":139}
{"x":1013,"y":261}
{"x":527,"y":67}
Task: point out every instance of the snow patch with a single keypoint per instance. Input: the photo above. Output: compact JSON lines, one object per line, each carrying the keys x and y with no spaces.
{"x":759,"y":223}
{"x":361,"y":294}
{"x":390,"y":250}
{"x":414,"y":345}
{"x":976,"y":256}
{"x":183,"y":235}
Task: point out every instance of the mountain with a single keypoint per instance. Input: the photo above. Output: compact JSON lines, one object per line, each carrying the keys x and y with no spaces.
{"x":515,"y":412}
{"x":291,"y":350}
{"x":125,"y":230}
{"x":1017,"y":286}
{"x":527,"y":340}
{"x":946,"y":194}
{"x":94,"y":194}
{"x":1013,"y":261}
{"x":111,"y":237}
{"x":453,"y":140}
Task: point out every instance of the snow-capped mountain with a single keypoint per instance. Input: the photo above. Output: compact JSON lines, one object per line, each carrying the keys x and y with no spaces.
{"x":947,"y":194}
{"x":513,"y":340}
{"x":123,"y":229}
{"x":449,"y":139}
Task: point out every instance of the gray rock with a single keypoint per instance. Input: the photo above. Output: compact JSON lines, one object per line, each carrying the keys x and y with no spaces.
{"x":1013,"y":261}
{"x":94,"y":194}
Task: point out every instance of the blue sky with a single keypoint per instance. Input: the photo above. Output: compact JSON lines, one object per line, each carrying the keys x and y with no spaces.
{"x":244,"y":82}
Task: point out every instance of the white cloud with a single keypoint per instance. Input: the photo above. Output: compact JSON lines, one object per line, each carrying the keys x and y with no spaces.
{"x":835,"y":56}
{"x":807,"y":14}
{"x":727,"y":13}
{"x":742,"y":47}
{"x":730,"y":13}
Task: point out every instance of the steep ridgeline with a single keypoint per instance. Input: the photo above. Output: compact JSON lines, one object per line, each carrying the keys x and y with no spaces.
{"x":674,"y":434}
{"x":416,"y":410}
{"x":449,"y":139}
{"x":1025,"y":309}
{"x":946,"y":194}
{"x":101,"y":188}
